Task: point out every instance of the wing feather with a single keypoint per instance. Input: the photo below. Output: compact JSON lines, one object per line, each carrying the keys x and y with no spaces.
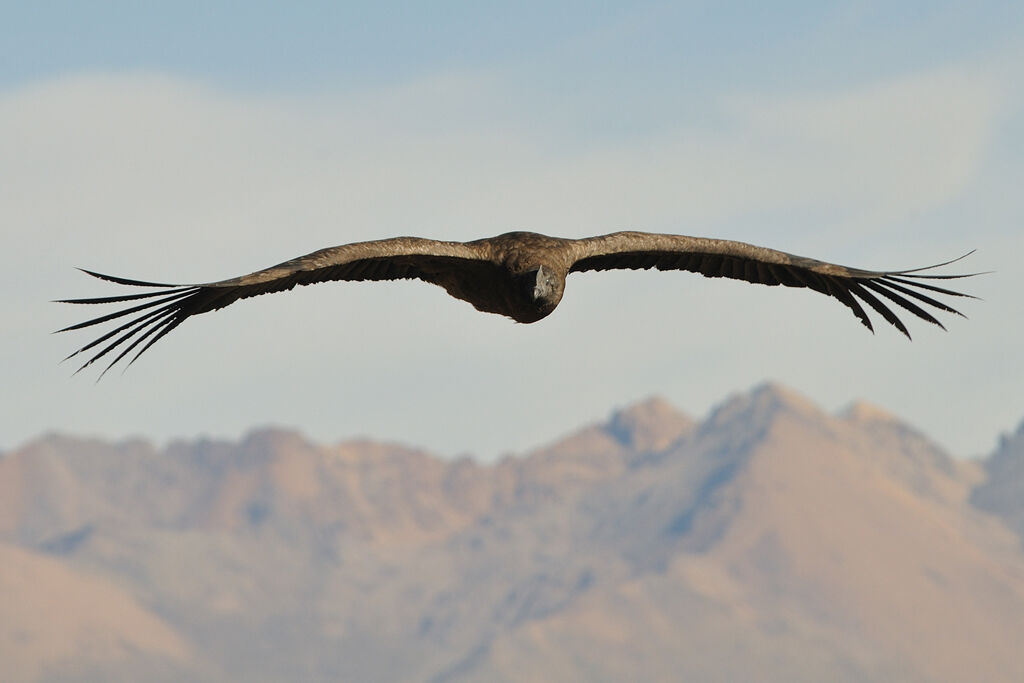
{"x":163,"y":310}
{"x":841,"y":291}
{"x":759,"y":265}
{"x":879,"y":307}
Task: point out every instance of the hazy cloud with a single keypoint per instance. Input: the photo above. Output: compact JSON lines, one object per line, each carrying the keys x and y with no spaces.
{"x":161,"y":178}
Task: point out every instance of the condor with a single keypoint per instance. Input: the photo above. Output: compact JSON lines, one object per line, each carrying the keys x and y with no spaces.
{"x":519,"y":274}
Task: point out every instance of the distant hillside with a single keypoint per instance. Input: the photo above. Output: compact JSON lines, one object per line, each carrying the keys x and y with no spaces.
{"x":769,"y":541}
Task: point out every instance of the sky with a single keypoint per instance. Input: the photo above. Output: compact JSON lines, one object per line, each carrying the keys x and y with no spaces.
{"x":191,"y":142}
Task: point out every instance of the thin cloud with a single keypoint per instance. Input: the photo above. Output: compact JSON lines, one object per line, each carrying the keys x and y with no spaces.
{"x":156,"y":177}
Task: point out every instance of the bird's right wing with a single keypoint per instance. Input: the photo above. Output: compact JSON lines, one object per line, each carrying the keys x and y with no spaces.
{"x":161,"y":311}
{"x":760,"y":265}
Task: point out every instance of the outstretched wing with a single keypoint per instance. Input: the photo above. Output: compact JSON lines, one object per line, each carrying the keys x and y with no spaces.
{"x":161,"y":311}
{"x":741,"y":261}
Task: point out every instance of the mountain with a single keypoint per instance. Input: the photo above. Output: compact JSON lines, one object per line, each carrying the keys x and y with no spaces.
{"x":1002,"y":493}
{"x":64,"y":621}
{"x":768,"y":541}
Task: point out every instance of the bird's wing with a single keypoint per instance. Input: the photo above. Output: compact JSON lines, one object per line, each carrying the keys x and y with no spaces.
{"x":161,"y":311}
{"x":741,"y":261}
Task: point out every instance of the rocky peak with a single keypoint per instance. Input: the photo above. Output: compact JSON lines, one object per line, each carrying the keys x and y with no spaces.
{"x":759,"y":407}
{"x":650,"y":425}
{"x":1002,"y":493}
{"x":263,"y":445}
{"x":864,"y":412}
{"x":1009,"y":454}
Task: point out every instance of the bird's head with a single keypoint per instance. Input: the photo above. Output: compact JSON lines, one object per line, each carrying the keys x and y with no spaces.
{"x":543,"y":286}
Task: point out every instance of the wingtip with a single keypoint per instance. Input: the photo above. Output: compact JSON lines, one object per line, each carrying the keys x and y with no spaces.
{"x":124,"y":280}
{"x":918,"y":272}
{"x":93,"y":273}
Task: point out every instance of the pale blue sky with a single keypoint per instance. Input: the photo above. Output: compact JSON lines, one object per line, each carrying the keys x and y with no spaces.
{"x":637,"y":45}
{"x":196,"y":141}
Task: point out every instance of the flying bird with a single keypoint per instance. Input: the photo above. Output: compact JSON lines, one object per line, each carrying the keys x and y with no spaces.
{"x":519,"y":274}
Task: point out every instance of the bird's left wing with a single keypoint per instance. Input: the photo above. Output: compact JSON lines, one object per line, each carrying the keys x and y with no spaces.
{"x":741,"y":261}
{"x":161,"y":311}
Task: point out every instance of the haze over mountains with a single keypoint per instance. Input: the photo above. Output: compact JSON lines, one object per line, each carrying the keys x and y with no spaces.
{"x":768,"y":541}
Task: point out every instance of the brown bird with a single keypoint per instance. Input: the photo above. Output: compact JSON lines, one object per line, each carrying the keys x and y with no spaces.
{"x":518,"y":274}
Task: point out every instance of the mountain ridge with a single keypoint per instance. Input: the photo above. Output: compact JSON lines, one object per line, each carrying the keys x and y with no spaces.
{"x":769,"y":539}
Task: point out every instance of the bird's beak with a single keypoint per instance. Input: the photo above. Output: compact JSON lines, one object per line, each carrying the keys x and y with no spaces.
{"x":541,"y":286}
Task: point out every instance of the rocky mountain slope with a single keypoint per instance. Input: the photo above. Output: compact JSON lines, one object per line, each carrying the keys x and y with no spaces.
{"x":768,"y":541}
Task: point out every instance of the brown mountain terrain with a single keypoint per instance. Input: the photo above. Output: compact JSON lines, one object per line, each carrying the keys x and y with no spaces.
{"x":769,"y":541}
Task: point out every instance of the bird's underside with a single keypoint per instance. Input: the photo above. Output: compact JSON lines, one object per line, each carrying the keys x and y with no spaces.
{"x":520,"y":275}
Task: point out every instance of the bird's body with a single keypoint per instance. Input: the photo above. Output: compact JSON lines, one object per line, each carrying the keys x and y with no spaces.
{"x":521,"y":275}
{"x":526,"y":277}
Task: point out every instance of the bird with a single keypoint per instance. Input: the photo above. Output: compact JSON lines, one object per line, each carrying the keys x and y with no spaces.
{"x":520,"y":275}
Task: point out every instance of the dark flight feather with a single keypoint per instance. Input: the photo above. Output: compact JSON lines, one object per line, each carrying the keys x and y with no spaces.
{"x":520,"y":275}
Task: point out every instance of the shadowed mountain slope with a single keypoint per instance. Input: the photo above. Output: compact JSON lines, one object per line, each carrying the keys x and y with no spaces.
{"x":1003,"y":491}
